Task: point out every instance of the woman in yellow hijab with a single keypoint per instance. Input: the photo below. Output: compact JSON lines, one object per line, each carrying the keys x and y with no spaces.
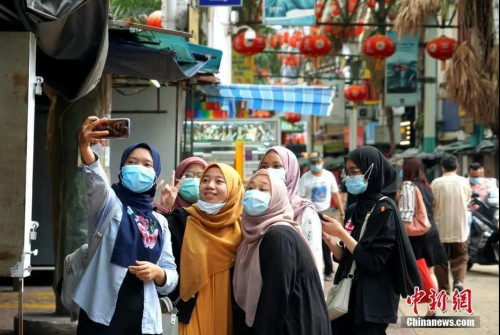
{"x":205,"y":238}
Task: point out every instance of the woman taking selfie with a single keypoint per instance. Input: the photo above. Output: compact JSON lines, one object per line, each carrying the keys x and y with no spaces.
{"x":118,"y":292}
{"x":385,"y":267}
{"x":276,"y":283}
{"x":205,"y":238}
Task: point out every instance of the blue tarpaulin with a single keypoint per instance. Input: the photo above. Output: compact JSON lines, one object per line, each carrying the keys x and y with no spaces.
{"x":304,"y":100}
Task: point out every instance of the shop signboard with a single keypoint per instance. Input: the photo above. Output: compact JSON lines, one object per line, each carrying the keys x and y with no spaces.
{"x":289,"y":12}
{"x":242,"y":73}
{"x":401,"y":72}
{"x":211,"y":3}
{"x":336,"y":109}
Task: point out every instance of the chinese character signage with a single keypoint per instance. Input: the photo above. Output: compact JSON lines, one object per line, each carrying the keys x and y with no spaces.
{"x":242,"y":73}
{"x":401,"y":73}
{"x":289,"y":12}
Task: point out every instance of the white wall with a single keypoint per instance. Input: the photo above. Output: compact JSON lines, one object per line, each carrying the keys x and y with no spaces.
{"x":219,"y":38}
{"x":156,"y":129}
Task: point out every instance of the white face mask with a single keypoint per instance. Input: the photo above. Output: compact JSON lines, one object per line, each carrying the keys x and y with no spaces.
{"x":210,"y":208}
{"x":277,"y":173}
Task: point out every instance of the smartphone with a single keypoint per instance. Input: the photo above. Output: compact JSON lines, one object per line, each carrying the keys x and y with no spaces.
{"x":118,"y":128}
{"x":321,"y":217}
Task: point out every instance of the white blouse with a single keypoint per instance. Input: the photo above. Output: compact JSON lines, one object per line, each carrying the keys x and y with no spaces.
{"x":312,"y":231}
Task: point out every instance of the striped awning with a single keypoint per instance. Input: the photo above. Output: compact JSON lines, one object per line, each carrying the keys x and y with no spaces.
{"x":305,"y":100}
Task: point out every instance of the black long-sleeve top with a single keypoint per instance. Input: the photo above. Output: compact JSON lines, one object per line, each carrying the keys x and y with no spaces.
{"x":291,"y":301}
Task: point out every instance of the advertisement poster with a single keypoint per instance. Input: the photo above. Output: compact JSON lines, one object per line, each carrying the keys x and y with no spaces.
{"x":401,"y":73}
{"x":289,"y":12}
{"x":241,"y":74}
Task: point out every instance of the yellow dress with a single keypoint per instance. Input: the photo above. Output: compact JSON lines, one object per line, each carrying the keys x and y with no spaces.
{"x":212,"y":313}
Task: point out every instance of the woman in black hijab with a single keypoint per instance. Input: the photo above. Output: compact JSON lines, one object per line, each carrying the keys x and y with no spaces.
{"x":385,"y":264}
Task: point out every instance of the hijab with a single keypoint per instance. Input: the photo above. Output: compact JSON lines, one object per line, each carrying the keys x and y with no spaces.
{"x":210,"y":241}
{"x":131,"y":244}
{"x":179,"y":171}
{"x":292,"y":169}
{"x":383,"y":182}
{"x":247,"y":279}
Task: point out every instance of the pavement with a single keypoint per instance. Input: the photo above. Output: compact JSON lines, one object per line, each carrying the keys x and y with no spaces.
{"x":482,"y":280}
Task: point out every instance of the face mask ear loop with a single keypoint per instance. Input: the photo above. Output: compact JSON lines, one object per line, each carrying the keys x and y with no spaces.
{"x":370,"y":169}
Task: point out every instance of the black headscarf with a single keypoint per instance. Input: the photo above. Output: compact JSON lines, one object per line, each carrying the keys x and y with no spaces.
{"x":382,"y":181}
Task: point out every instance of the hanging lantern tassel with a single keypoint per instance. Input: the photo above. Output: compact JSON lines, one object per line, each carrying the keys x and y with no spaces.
{"x":248,"y":60}
{"x":443,"y":65}
{"x":379,"y":65}
{"x":315,"y":62}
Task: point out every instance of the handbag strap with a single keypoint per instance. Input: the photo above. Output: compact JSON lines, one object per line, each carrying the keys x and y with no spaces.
{"x":99,"y":234}
{"x":363,"y":229}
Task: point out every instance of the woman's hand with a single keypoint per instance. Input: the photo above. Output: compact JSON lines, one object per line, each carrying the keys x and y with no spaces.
{"x":332,"y":226}
{"x":88,"y":136}
{"x":169,"y":193}
{"x":148,"y":271}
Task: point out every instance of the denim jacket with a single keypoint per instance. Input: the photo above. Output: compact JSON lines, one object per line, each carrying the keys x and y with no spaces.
{"x":97,"y":292}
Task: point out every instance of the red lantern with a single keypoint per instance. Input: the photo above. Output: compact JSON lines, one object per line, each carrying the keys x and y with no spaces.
{"x":442,"y":48}
{"x":328,"y":29}
{"x":355,"y":94}
{"x":275,"y":41}
{"x":315,"y":46}
{"x":352,"y":5}
{"x":154,"y":19}
{"x":294,"y":41}
{"x":379,"y":47}
{"x":292,"y":117}
{"x":286,"y":36}
{"x":319,"y":7}
{"x":247,"y":47}
{"x":371,"y":3}
{"x":335,"y":8}
{"x":361,"y":28}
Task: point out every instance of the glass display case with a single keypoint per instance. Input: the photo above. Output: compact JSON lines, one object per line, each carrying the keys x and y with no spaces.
{"x":214,"y":139}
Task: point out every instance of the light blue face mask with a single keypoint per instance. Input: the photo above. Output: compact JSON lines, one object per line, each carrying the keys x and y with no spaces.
{"x":190,"y":189}
{"x":138,"y":178}
{"x":400,"y":174}
{"x":476,"y":180}
{"x":357,"y":184}
{"x":209,"y":207}
{"x":316,"y":168}
{"x":277,"y":173}
{"x":256,"y":202}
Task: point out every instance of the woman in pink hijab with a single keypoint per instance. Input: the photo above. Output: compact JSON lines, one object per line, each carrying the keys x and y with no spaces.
{"x":187,"y":189}
{"x":276,"y":285}
{"x":282,"y":164}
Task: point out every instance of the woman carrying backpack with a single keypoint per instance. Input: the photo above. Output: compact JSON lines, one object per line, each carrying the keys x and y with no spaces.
{"x":118,"y":292}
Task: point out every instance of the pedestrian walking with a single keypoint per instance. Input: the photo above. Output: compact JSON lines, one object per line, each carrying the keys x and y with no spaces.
{"x":282,"y":164}
{"x":319,"y":185}
{"x":118,"y":292}
{"x":276,"y":284}
{"x":385,"y":264}
{"x":184,"y":187}
{"x":451,"y":196}
{"x":427,"y":246}
{"x":205,"y":238}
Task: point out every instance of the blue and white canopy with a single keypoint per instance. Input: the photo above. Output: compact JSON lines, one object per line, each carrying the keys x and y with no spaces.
{"x":305,"y":100}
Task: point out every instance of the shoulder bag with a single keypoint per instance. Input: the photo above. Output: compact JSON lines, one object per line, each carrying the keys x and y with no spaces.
{"x":337,"y":301}
{"x":170,"y":322}
{"x":75,"y":265}
{"x":420,"y":223}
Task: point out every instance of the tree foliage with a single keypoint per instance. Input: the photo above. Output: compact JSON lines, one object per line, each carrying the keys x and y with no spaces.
{"x":133,"y":10}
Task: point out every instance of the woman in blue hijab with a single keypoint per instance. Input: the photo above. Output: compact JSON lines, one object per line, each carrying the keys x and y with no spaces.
{"x":118,"y":293}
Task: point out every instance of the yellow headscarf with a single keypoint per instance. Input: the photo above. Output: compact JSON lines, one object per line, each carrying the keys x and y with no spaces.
{"x":210,"y":241}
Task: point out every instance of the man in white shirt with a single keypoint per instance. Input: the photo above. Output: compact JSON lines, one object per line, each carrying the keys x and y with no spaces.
{"x":319,"y":185}
{"x":451,"y":197}
{"x":486,"y":188}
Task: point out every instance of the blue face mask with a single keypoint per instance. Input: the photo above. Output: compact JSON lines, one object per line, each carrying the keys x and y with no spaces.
{"x":138,"y":178}
{"x":209,"y":207}
{"x":277,"y":173}
{"x":190,"y":189}
{"x":256,"y":202}
{"x":357,"y":184}
{"x":476,"y":180}
{"x":316,"y":168}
